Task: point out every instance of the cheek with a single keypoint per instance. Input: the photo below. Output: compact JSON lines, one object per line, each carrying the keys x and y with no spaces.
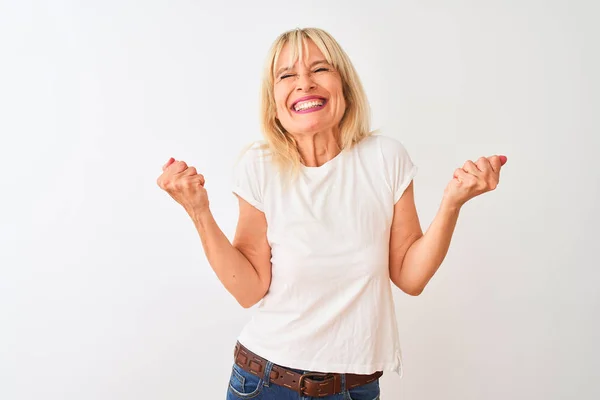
{"x":281,"y":111}
{"x":340,"y":103}
{"x":336,"y":92}
{"x":280,"y":102}
{"x":343,"y":104}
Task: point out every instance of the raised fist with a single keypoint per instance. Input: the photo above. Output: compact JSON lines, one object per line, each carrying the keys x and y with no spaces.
{"x":473,"y":179}
{"x":184,"y":184}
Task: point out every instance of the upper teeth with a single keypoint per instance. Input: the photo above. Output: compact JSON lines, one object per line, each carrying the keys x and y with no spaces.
{"x":308,"y":104}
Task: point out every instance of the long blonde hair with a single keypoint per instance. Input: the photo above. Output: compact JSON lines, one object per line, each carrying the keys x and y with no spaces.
{"x":355,"y":124}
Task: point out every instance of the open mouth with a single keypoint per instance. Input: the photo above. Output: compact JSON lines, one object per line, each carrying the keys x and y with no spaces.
{"x":309,"y":105}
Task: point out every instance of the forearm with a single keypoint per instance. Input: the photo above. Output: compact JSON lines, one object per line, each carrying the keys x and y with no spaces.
{"x":426,"y":254}
{"x":232,"y":268}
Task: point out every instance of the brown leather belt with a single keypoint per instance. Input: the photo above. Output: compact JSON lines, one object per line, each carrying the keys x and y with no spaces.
{"x":304,"y":384}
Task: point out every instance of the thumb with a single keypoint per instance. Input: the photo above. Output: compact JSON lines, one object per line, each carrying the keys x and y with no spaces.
{"x":171,"y":160}
{"x":497,"y":162}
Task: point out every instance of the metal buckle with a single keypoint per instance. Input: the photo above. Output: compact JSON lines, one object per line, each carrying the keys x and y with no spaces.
{"x":308,"y":375}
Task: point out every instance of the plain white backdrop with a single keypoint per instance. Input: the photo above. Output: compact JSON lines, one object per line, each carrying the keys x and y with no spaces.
{"x":105,"y":292}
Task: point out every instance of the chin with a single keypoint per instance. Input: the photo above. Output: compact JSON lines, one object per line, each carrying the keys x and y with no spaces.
{"x":311,"y":128}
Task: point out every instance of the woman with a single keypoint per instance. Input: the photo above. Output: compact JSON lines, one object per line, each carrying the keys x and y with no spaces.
{"x":327,"y":220}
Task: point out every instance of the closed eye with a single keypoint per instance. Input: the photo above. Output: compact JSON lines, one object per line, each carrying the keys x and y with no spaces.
{"x":321,"y":69}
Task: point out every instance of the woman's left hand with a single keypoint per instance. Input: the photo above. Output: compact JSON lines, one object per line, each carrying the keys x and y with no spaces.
{"x":473,"y":179}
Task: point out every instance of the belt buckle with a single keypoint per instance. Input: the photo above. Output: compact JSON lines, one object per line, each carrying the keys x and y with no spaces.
{"x":310,"y":375}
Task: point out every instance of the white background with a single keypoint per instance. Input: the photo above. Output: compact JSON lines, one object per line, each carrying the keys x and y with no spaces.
{"x":105,"y":292}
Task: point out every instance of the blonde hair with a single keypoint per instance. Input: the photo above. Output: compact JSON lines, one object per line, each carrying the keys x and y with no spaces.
{"x":355,"y":123}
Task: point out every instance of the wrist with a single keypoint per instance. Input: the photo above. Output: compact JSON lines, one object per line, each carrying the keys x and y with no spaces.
{"x":450,"y":205}
{"x":199,"y":215}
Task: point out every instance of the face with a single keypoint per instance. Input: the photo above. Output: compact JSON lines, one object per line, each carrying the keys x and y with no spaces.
{"x":309,"y":96}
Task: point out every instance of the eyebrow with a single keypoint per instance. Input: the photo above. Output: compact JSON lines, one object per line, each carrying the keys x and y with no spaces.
{"x":282,"y":69}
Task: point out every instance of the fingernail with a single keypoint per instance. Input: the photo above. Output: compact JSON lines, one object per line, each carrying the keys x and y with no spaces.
{"x":503,"y":160}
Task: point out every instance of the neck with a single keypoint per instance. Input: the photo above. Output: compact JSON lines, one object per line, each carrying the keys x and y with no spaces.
{"x":317,"y":148}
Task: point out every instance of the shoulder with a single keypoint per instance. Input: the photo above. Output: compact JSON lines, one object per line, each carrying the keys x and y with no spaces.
{"x":387,"y":146}
{"x":255,"y":153}
{"x":254,"y":162}
{"x":255,"y":149}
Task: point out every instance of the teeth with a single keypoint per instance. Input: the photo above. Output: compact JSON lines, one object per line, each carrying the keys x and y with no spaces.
{"x":308,"y":104}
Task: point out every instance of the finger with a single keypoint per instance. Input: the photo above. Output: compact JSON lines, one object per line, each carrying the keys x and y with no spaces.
{"x":462,"y":176}
{"x":190,"y":171}
{"x":495,"y":163}
{"x":483,"y":164}
{"x":471,"y":168}
{"x":178,"y":167}
{"x":191,"y":175}
{"x":192,"y":180}
{"x":171,"y":160}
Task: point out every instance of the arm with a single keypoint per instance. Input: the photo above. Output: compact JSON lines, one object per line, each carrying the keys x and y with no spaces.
{"x":244,"y":267}
{"x":415,"y":257}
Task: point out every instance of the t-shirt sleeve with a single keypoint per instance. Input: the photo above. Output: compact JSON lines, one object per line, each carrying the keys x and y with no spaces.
{"x":400,"y":167}
{"x":248,"y":176}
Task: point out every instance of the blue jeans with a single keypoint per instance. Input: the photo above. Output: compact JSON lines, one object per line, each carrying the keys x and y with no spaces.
{"x":244,"y":385}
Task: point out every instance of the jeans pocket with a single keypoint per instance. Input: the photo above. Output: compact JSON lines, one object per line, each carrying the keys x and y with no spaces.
{"x":370,"y":391}
{"x":244,"y":385}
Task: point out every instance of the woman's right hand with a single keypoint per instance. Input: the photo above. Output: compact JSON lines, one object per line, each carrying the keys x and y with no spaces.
{"x":185,"y":185}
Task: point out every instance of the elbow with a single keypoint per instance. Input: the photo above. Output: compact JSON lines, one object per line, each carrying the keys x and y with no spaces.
{"x":246,"y":305}
{"x":247,"y":302}
{"x":413,"y":291}
{"x":251,"y":299}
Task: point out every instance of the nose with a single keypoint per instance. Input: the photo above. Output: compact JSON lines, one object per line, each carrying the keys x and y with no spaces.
{"x":305,"y":83}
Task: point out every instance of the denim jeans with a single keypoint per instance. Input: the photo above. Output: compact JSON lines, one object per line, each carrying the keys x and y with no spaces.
{"x":244,"y":385}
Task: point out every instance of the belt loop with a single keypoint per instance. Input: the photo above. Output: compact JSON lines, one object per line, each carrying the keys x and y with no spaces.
{"x":267,"y":374}
{"x":343,"y":377}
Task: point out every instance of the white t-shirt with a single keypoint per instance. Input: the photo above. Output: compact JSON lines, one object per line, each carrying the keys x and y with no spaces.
{"x":329,"y":307}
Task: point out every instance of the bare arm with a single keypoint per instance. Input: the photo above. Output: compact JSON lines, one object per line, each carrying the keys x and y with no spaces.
{"x":244,"y":267}
{"x":415,"y":257}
